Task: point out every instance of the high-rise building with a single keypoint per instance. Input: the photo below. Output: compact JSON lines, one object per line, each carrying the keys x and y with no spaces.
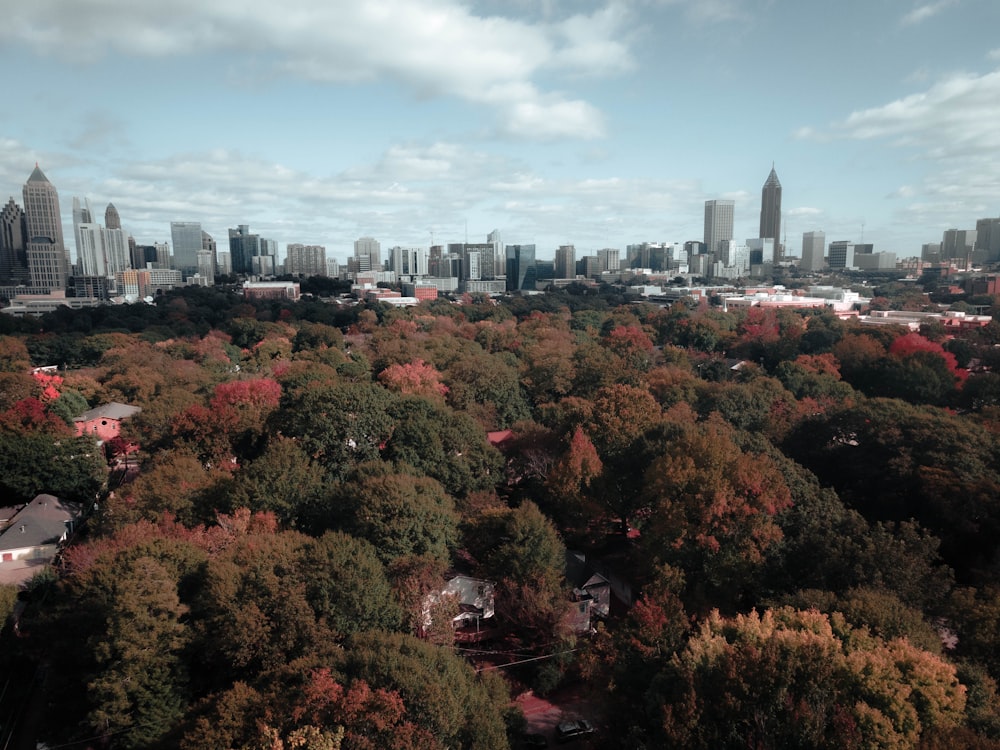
{"x":609,"y":259}
{"x":243,"y":248}
{"x":368,"y":254}
{"x":770,"y":213}
{"x":305,"y":260}
{"x":13,"y":250}
{"x":111,"y":218}
{"x":186,"y":239}
{"x":499,"y":259}
{"x":209,"y":246}
{"x":521,"y":271}
{"x":988,"y":240}
{"x":813,"y":250}
{"x":565,"y":265}
{"x":47,"y":256}
{"x":841,"y":254}
{"x":957,"y":244}
{"x":718,"y":223}
{"x":100,"y":251}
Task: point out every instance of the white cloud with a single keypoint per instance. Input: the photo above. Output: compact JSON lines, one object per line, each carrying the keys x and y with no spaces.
{"x":803,"y":211}
{"x":435,"y":47}
{"x":922,"y":12}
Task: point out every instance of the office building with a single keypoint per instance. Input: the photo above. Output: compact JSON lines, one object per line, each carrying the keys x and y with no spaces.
{"x":305,"y":260}
{"x":609,"y":259}
{"x":813,"y":250}
{"x":186,"y":239}
{"x":499,"y":259}
{"x":565,"y":264}
{"x":13,"y":251}
{"x":208,"y":245}
{"x":958,"y":244}
{"x":100,"y":251}
{"x":521,"y":270}
{"x":244,"y":249}
{"x":987,"y":244}
{"x":770,"y":212}
{"x":841,"y":255}
{"x":367,"y":254}
{"x":47,"y":256}
{"x":718,"y":223}
{"x":111,"y":218}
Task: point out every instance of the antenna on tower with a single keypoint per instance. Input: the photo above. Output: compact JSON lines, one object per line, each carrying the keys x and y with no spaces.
{"x":862,"y":232}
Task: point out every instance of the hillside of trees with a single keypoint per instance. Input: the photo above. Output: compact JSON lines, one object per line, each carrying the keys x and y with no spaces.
{"x":807,"y":511}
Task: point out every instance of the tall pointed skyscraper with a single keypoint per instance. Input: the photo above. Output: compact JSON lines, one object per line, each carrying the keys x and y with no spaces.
{"x":770,"y":213}
{"x":48,"y":259}
{"x":111,"y":218}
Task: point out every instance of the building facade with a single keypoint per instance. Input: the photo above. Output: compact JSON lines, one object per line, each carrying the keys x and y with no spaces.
{"x":813,"y":251}
{"x":718,"y":223}
{"x":305,"y":260}
{"x":521,"y":270}
{"x":186,"y":239}
{"x":770,"y":212}
{"x":565,"y":265}
{"x":46,"y":252}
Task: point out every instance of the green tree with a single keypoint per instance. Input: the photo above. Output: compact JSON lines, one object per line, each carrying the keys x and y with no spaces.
{"x":347,"y":585}
{"x":445,"y":445}
{"x":400,"y":513}
{"x":139,"y":690}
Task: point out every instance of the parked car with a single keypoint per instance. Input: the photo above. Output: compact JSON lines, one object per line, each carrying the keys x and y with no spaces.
{"x":532,"y":741}
{"x":567,"y":731}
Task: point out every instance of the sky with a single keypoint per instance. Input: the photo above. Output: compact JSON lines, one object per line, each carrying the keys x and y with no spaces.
{"x":597,"y":123}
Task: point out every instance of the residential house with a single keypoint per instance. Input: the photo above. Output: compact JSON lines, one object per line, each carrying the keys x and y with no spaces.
{"x":38,"y":531}
{"x":475,"y":619}
{"x":104,"y":422}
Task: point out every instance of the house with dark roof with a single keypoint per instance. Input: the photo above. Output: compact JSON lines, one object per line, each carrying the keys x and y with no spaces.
{"x":38,"y":531}
{"x":104,"y":422}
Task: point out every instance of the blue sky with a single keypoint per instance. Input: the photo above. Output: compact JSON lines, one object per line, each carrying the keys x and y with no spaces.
{"x":593,"y":123}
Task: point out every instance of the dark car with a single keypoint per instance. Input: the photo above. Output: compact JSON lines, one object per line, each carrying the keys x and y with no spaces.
{"x":570,"y":730}
{"x":533,"y":741}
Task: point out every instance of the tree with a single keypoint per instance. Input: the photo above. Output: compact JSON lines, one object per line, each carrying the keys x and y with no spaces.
{"x":347,"y":585}
{"x":788,"y":678}
{"x":138,"y":692}
{"x":282,"y":480}
{"x":441,"y":692}
{"x":338,"y":425}
{"x":713,"y":508}
{"x":67,"y":467}
{"x":445,"y":445}
{"x":400,"y":513}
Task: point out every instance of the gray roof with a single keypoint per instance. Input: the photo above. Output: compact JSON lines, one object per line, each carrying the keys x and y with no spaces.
{"x":114,"y":410}
{"x":37,"y":175}
{"x":42,"y":521}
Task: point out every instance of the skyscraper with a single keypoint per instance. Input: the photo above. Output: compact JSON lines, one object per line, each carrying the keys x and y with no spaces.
{"x":770,"y":213}
{"x":13,"y":231}
{"x":813,"y":248}
{"x":48,"y":259}
{"x":243,"y":248}
{"x":186,"y":239}
{"x":305,"y":260}
{"x":521,"y":271}
{"x":565,"y":262}
{"x":367,"y":254}
{"x":718,"y":223}
{"x":111,"y":218}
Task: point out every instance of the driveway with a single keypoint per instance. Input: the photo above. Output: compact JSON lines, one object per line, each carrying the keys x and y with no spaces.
{"x":572,"y":702}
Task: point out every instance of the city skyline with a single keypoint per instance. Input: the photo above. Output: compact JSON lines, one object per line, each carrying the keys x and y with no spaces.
{"x":596,"y":124}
